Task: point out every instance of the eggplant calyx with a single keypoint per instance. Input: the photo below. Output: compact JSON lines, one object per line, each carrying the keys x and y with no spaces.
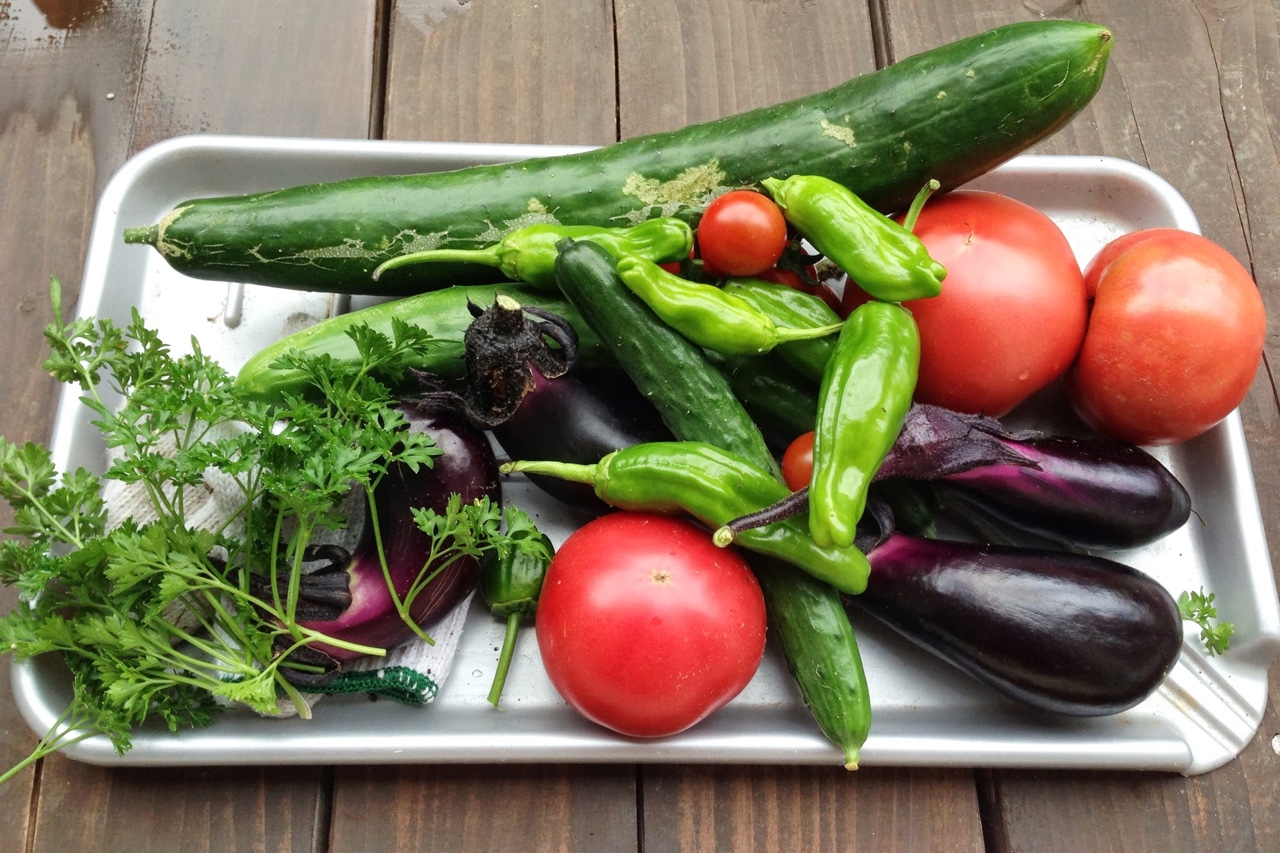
{"x":503,"y":347}
{"x":323,"y":594}
{"x":935,"y":443}
{"x":304,"y":666}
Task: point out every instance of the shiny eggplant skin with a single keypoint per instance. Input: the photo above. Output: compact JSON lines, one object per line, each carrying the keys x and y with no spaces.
{"x":1067,"y":633}
{"x":1086,"y":493}
{"x":466,"y":466}
{"x":579,"y":417}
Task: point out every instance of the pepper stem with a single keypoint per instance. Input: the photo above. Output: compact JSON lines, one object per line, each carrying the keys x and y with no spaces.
{"x":785,"y":334}
{"x":489,"y":257}
{"x":913,"y":212}
{"x":504,"y":659}
{"x":572,"y":472}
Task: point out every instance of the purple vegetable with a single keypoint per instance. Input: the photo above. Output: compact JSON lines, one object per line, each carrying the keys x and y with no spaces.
{"x":465,"y":466}
{"x":578,"y":417}
{"x":1085,"y":492}
{"x":1068,"y":633}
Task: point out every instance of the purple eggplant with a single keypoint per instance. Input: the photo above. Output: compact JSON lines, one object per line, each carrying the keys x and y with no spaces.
{"x":1067,"y":633}
{"x":1080,"y":492}
{"x":466,"y":466}
{"x":578,"y":417}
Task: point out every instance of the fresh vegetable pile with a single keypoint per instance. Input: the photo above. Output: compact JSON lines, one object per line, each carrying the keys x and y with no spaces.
{"x":770,"y":365}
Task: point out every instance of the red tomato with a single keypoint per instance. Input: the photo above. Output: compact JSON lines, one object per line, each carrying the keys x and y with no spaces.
{"x":1011,"y":315}
{"x":645,"y":626}
{"x":797,"y":462}
{"x":1113,"y":250}
{"x":1175,"y":339}
{"x":741,"y":233}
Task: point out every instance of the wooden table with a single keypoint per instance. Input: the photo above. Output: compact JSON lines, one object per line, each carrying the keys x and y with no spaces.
{"x":1193,"y":92}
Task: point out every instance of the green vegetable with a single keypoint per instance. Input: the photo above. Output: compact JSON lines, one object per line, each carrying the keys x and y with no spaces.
{"x":884,"y":258}
{"x":809,"y":619}
{"x":694,"y":399}
{"x":788,"y":306}
{"x":952,"y":113}
{"x":715,"y":487}
{"x":862,"y":403}
{"x":439,"y":319}
{"x":1198,"y":607}
{"x":709,"y":316}
{"x":156,"y":617}
{"x":781,"y":401}
{"x":510,"y":583}
{"x":529,"y":254}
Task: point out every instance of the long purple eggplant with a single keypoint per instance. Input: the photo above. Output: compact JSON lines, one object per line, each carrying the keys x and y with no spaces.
{"x":1082,"y":492}
{"x":579,"y":417}
{"x":466,"y":466}
{"x":1068,"y":633}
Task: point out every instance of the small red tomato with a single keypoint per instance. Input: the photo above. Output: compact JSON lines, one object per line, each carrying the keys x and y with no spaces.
{"x":1175,"y":339}
{"x":797,"y":462}
{"x":1011,"y":315}
{"x":742,"y":233}
{"x":645,"y":626}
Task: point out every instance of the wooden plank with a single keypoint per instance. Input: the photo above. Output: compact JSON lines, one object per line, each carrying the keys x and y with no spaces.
{"x":501,"y":71}
{"x":538,"y":71}
{"x":742,"y":809}
{"x":60,"y":136}
{"x":526,"y":808}
{"x":1203,"y":117}
{"x":715,"y":59}
{"x":123,"y":75}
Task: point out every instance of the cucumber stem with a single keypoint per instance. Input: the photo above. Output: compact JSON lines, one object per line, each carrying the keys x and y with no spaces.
{"x":489,"y":257}
{"x":142,"y":234}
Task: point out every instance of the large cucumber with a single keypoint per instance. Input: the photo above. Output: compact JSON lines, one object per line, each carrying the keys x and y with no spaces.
{"x":951,"y":113}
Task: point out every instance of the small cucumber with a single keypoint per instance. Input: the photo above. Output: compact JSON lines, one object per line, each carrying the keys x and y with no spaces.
{"x":951,"y":114}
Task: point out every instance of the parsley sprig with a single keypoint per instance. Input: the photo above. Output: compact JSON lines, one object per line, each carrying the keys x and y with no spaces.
{"x":154,"y":616}
{"x":1198,"y":607}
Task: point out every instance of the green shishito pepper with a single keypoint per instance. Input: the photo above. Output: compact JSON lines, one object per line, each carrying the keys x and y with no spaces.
{"x":862,"y":402}
{"x":884,"y":258}
{"x":715,"y":487}
{"x":529,"y":254}
{"x":510,"y":583}
{"x":788,"y":306}
{"x":709,"y":316}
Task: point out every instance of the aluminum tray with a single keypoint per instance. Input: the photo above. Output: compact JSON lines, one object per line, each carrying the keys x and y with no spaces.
{"x":926,"y":713}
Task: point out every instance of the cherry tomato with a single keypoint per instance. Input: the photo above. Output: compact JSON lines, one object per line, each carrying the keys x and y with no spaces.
{"x":742,"y":233}
{"x":1175,"y":339}
{"x":645,"y":626}
{"x":1011,"y":315}
{"x":797,"y":462}
{"x":791,"y":278}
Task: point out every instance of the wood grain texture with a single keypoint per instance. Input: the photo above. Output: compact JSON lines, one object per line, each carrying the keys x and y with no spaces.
{"x":123,"y":75}
{"x":450,"y":808}
{"x":60,"y":136}
{"x":744,"y":809}
{"x":1204,"y":116}
{"x":502,"y":71}
{"x":687,"y":61}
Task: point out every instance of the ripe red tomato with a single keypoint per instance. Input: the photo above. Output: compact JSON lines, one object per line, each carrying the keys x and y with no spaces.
{"x":742,"y":233}
{"x":645,"y":626}
{"x":1011,"y":315}
{"x":797,"y":462}
{"x":1111,"y":251}
{"x":1175,"y":339}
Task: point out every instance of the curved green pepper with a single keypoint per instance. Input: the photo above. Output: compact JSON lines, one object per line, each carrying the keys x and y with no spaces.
{"x":715,"y":487}
{"x":529,"y":254}
{"x":510,"y":583}
{"x":708,"y":316}
{"x":862,"y":403}
{"x":788,"y":306}
{"x":884,"y":258}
